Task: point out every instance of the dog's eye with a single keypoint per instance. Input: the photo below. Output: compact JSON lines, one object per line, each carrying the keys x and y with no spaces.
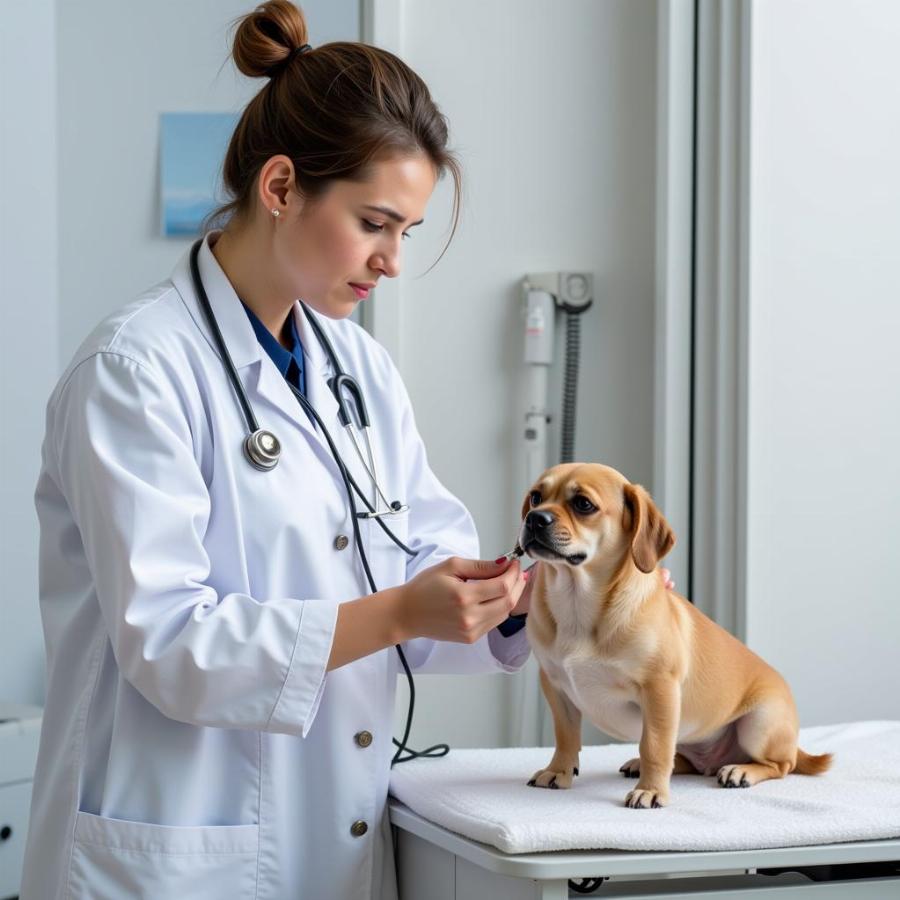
{"x":535,"y":498}
{"x":583,"y":505}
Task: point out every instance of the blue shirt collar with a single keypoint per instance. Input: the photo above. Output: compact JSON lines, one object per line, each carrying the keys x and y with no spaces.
{"x":280,"y":356}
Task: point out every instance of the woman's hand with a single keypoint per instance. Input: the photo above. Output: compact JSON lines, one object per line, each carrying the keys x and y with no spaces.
{"x":667,"y":581}
{"x":460,"y":599}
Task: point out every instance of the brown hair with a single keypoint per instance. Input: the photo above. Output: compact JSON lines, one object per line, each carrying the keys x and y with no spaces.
{"x":333,"y":110}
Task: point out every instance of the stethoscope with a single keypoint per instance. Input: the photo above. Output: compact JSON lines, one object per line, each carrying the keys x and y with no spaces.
{"x":263,"y":450}
{"x":261,"y":447}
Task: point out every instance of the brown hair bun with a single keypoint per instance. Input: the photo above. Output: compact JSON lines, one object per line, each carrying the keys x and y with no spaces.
{"x":265,"y":38}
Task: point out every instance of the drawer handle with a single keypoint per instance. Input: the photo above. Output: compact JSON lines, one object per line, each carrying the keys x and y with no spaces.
{"x":5,"y":833}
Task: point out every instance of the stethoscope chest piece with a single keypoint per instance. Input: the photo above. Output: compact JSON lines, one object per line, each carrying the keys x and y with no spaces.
{"x":263,"y":449}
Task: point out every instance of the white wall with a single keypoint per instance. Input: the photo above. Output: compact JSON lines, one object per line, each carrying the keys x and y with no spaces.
{"x":28,"y":323}
{"x":824,"y":481}
{"x":552,"y":107}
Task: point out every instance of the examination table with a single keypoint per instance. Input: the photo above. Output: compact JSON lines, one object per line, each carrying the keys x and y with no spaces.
{"x":467,"y":827}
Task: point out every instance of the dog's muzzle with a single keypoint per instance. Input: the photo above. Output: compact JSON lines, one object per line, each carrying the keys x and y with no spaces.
{"x":537,"y":532}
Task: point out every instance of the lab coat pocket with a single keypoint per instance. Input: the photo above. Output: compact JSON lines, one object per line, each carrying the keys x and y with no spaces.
{"x":113,"y":859}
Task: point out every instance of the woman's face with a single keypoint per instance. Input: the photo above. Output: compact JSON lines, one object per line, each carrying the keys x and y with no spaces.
{"x":352,"y":234}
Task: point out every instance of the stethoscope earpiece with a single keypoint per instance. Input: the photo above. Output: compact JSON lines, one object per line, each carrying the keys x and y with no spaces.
{"x":263,"y":449}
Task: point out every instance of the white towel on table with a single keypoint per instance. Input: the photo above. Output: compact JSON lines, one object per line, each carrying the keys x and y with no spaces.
{"x":483,"y":795}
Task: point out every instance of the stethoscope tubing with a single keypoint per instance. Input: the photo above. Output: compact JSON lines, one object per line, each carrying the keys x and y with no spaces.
{"x":341,"y":381}
{"x":249,"y":415}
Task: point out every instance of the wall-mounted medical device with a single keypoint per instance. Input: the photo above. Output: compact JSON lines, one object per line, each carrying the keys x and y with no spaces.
{"x":544,"y":293}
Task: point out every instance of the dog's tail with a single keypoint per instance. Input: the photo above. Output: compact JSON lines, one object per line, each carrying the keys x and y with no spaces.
{"x":812,"y":765}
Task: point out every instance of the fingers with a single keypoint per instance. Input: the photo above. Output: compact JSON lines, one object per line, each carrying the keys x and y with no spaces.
{"x":478,"y":569}
{"x":505,"y":584}
{"x":489,"y":579}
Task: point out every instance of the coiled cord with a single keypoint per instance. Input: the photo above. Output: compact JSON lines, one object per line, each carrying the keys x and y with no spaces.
{"x":570,"y":386}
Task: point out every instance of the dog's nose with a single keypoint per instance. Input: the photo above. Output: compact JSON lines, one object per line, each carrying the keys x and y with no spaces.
{"x":538,"y":520}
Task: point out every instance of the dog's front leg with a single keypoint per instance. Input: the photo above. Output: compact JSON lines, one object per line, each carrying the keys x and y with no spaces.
{"x":661,"y":709}
{"x":567,"y":728}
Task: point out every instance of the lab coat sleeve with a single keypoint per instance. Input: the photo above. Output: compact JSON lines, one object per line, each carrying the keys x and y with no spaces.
{"x":440,"y":526}
{"x":127,"y":468}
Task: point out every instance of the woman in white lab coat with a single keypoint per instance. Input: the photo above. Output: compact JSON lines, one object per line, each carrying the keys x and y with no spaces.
{"x":221,"y":682}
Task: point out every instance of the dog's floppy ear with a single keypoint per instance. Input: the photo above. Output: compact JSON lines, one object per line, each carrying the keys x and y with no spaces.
{"x":651,"y":536}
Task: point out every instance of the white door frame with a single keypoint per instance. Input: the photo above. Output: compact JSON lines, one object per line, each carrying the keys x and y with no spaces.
{"x":700,"y":452}
{"x":674,"y":284}
{"x":721,"y":300}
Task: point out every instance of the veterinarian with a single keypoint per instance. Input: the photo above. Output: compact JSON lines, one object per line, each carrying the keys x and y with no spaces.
{"x":221,"y":666}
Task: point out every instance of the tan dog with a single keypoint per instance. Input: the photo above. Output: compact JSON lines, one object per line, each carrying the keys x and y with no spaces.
{"x":639,"y":661}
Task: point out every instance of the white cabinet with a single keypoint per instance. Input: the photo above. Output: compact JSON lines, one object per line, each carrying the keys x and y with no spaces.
{"x":19,"y":732}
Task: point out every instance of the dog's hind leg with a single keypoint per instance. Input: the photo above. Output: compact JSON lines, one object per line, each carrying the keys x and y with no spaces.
{"x":768,"y":735}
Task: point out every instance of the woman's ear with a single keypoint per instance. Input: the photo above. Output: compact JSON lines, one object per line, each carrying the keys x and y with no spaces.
{"x":651,"y":536}
{"x":276,"y":181}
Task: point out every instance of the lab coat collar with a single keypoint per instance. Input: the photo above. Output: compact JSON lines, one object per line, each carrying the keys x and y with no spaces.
{"x":314,"y":351}
{"x":236,"y":329}
{"x":233,"y":322}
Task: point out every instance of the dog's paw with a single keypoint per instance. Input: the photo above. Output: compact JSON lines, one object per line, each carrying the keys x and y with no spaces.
{"x":554,"y":778}
{"x":643,"y":798}
{"x":734,"y":777}
{"x":632,"y":769}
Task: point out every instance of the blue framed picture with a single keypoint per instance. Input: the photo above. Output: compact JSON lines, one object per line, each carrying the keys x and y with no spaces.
{"x":192,"y":151}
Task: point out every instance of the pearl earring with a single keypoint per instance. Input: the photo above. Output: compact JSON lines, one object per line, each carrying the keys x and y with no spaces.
{"x":276,"y":213}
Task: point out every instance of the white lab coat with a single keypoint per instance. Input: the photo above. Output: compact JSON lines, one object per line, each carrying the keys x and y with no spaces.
{"x":193,"y":744}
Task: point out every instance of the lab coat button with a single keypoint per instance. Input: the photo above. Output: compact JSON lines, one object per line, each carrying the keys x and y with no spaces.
{"x":358,"y":829}
{"x":363,"y":738}
{"x":341,"y":541}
